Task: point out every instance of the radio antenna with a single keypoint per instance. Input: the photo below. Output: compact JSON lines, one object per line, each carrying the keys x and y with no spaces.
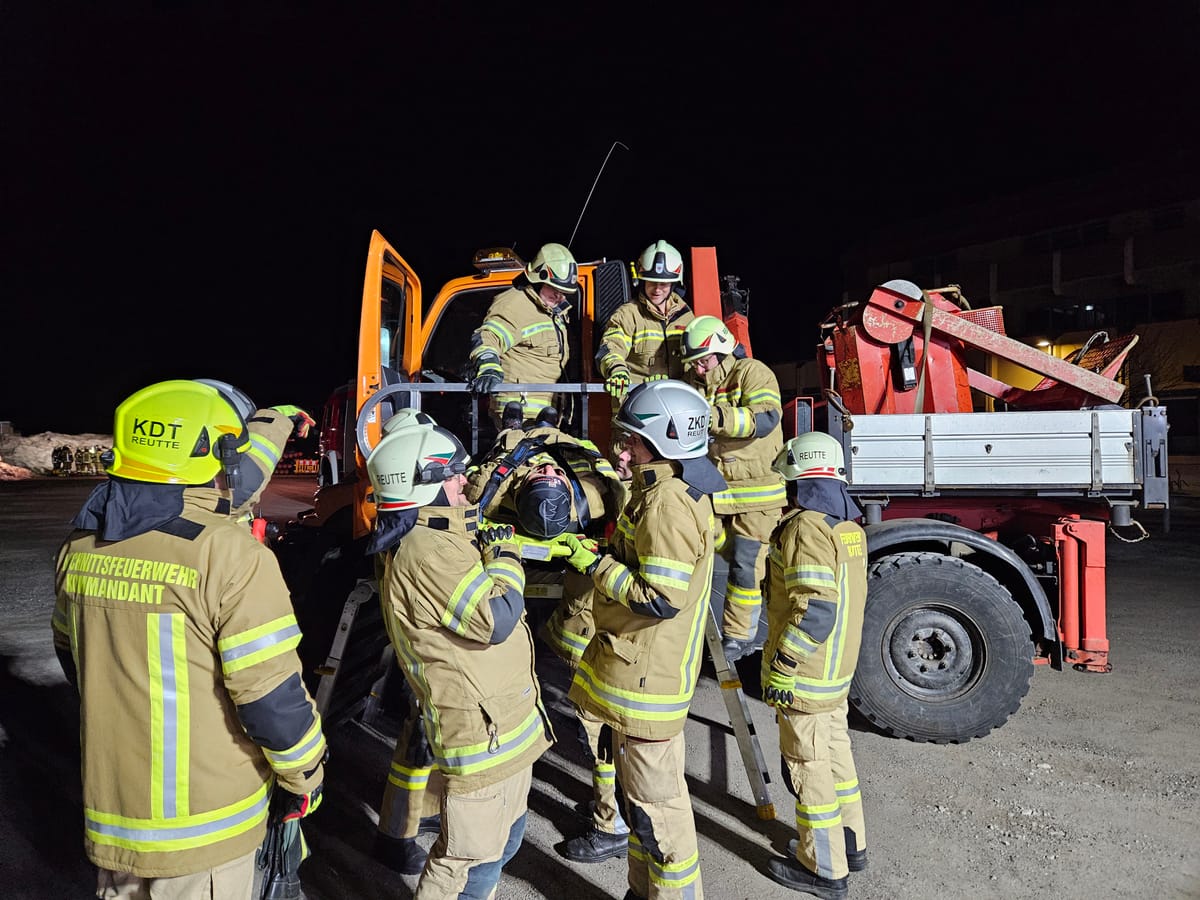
{"x":615,"y":145}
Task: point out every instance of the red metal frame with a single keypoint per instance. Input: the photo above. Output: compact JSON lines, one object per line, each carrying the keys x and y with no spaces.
{"x":1079,"y":550}
{"x":1081,"y":591}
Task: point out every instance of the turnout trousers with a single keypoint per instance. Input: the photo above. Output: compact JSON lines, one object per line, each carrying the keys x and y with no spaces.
{"x":745,"y":549}
{"x":571,"y":625}
{"x":664,"y":857}
{"x":414,"y":785}
{"x":598,"y":737}
{"x":818,"y":769}
{"x":481,"y":831}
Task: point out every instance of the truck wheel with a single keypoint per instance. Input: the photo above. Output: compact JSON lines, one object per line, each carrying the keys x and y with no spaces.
{"x":946,"y":654}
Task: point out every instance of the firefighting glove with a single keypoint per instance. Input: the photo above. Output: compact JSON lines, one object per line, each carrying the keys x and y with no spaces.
{"x":583,"y":557}
{"x":497,"y":541}
{"x":488,"y":374}
{"x":293,"y":807}
{"x":780,"y":684}
{"x":617,"y":382}
{"x":302,"y":420}
{"x":659,"y":377}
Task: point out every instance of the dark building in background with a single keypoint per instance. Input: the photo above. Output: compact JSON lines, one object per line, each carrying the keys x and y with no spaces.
{"x":1114,"y":252}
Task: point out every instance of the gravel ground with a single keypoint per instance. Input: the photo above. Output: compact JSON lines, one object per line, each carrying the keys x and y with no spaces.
{"x":1091,"y":789}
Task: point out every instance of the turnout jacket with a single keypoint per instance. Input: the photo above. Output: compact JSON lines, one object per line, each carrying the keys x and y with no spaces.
{"x":816,"y":594}
{"x":639,"y":672}
{"x":531,"y":342}
{"x":645,"y":340}
{"x":269,"y":432}
{"x":460,"y":634}
{"x":181,"y":640}
{"x":746,"y":433}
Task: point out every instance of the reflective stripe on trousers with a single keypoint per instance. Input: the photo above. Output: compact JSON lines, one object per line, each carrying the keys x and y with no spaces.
{"x":819,"y":770}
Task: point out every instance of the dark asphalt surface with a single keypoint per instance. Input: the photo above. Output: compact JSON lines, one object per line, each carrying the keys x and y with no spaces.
{"x":1091,"y":789}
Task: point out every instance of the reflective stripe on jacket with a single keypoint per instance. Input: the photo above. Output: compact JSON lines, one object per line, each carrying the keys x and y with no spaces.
{"x":531,"y":342}
{"x":639,"y":672}
{"x":816,"y":593}
{"x":740,"y":389}
{"x":184,"y":647}
{"x":645,"y":340}
{"x":477,"y":689}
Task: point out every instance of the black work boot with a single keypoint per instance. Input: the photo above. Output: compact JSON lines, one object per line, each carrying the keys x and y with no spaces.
{"x":791,"y":874}
{"x":513,"y":415}
{"x":856,"y":860}
{"x":595,"y":846}
{"x":403,"y":855}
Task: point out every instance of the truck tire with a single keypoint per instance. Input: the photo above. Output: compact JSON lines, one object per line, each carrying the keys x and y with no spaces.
{"x":946,"y":652}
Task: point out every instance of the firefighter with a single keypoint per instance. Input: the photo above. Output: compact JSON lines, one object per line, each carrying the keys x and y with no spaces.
{"x":641,"y":339}
{"x":413,"y":790}
{"x":176,"y":627}
{"x":524,"y":336}
{"x":547,"y":483}
{"x":816,"y":592}
{"x":639,"y":672}
{"x":462,"y":640}
{"x":746,"y":437}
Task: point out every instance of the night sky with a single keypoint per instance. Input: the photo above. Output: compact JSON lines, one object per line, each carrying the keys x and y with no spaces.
{"x":190,"y":192}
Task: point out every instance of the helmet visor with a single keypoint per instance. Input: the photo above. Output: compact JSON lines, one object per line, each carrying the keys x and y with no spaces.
{"x":434,"y":468}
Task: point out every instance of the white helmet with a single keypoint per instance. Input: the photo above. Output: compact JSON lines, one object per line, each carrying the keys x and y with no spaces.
{"x":407,"y":467}
{"x":811,"y":455}
{"x":705,"y":335}
{"x":669,"y":415}
{"x":660,"y":262}
{"x":407,"y":417}
{"x":554,"y":265}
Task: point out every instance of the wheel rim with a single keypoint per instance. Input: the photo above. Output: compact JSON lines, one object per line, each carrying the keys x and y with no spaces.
{"x":934,"y":652}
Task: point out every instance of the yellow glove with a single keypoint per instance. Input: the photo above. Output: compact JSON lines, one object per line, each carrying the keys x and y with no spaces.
{"x":497,"y":541}
{"x":581,"y":555}
{"x":617,"y":382}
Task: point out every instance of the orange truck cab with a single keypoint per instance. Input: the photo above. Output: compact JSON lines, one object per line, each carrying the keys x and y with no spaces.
{"x":413,"y":352}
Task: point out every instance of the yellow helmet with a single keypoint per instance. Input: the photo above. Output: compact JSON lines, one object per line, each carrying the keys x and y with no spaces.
{"x":554,"y":265}
{"x":176,"y":432}
{"x":705,"y":335}
{"x":814,"y":454}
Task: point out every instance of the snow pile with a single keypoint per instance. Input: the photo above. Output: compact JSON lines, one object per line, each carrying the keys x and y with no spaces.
{"x":34,"y":454}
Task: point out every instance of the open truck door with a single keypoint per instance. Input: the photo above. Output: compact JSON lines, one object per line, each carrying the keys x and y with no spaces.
{"x":389,"y":322}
